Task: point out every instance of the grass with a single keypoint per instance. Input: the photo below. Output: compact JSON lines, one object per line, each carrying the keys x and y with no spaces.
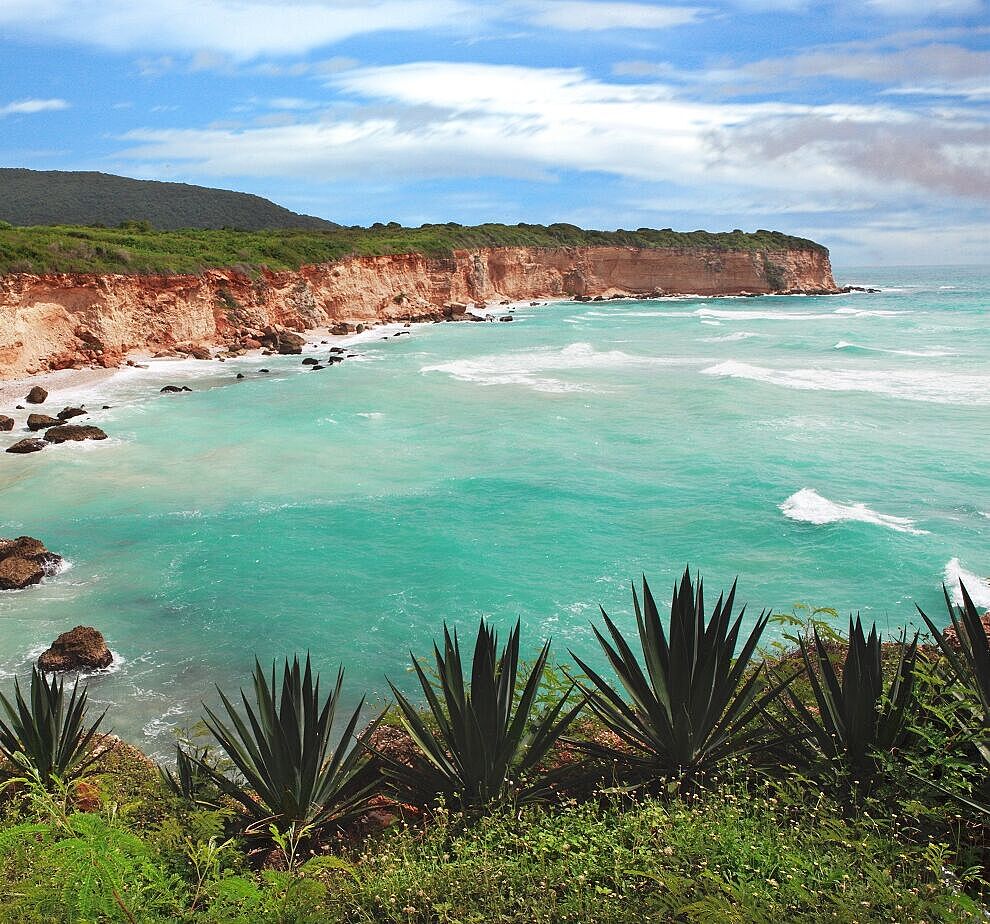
{"x":137,"y":249}
{"x":737,"y":854}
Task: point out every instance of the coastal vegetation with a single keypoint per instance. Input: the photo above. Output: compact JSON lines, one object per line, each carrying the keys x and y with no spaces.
{"x":135,"y":247}
{"x":827,"y":777}
{"x":50,"y":197}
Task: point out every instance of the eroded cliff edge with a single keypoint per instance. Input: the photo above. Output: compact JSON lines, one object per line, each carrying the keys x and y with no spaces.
{"x":63,"y":320}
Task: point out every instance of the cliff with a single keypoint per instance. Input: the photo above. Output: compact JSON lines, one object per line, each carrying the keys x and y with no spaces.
{"x":61,"y":320}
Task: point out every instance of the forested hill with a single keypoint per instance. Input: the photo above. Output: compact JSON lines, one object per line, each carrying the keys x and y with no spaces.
{"x":59,"y":197}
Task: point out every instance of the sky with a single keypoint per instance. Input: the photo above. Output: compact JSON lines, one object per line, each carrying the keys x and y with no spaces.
{"x":863,"y":124}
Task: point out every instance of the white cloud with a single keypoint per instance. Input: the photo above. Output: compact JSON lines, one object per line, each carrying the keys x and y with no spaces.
{"x":925,"y":8}
{"x":30,"y":106}
{"x":447,"y":120}
{"x":240,"y":29}
{"x":590,"y":16}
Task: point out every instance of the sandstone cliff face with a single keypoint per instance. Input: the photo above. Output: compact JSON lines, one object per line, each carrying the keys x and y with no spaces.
{"x":62,"y":320}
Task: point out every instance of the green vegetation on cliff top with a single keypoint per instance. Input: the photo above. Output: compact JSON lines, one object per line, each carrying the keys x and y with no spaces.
{"x":78,"y":197}
{"x":136,"y":248}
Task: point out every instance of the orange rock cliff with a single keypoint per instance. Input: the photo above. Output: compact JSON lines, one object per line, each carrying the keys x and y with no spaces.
{"x":57,"y":321}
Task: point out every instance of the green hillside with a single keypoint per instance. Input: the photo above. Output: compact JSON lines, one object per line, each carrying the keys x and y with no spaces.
{"x":58,"y":197}
{"x":138,"y":249}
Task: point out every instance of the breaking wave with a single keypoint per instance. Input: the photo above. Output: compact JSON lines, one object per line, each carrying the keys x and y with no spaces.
{"x":529,"y":367}
{"x":930,"y":386}
{"x":808,"y":506}
{"x":978,"y":588}
{"x":859,"y":348}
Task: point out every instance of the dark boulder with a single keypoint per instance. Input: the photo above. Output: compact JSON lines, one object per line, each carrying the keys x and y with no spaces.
{"x":31,"y":444}
{"x":37,"y":422}
{"x":169,"y":389}
{"x":6,"y":423}
{"x":317,"y":367}
{"x":25,"y":561}
{"x":73,"y":433}
{"x":36,"y":395}
{"x":196,"y":351}
{"x":310,"y":361}
{"x":80,"y":649}
{"x":240,"y":375}
{"x":67,"y":413}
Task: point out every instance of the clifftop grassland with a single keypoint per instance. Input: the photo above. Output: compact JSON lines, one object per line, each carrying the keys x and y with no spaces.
{"x":137,"y":249}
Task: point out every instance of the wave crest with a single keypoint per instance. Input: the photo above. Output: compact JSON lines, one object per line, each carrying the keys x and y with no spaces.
{"x":808,"y":506}
{"x":978,"y":588}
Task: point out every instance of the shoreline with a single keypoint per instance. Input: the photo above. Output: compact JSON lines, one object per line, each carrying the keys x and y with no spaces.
{"x":73,"y":380}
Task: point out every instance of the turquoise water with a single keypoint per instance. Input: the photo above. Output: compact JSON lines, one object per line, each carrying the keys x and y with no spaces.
{"x":827,"y":450}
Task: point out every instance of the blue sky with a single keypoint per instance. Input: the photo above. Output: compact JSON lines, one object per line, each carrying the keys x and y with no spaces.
{"x":864,"y":124}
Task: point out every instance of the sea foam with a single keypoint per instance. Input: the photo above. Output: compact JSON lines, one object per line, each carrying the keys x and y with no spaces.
{"x":978,"y":588}
{"x":923,"y":385}
{"x":529,"y":367}
{"x":857,"y":347}
{"x":808,"y":506}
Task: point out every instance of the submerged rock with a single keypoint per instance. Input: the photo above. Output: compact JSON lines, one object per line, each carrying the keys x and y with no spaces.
{"x":25,"y":561}
{"x":74,"y":433}
{"x":67,"y":413}
{"x":31,"y":444}
{"x":36,"y":395}
{"x":310,"y":361}
{"x":80,"y":649}
{"x":169,"y":390}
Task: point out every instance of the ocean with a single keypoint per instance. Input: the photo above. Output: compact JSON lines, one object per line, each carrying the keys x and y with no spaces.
{"x":830,"y":451}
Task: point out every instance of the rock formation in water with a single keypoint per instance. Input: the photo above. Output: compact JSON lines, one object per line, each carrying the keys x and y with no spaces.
{"x":25,"y":561}
{"x":61,"y":320}
{"x":80,"y":649}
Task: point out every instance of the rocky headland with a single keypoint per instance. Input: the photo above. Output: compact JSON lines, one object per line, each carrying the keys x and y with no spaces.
{"x":73,"y":320}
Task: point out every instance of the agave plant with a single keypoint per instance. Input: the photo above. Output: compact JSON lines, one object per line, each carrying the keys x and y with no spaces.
{"x":47,"y":733}
{"x":294,"y":776}
{"x":698,"y":701}
{"x":489,"y":735}
{"x":971,"y":662}
{"x":856,"y":718}
{"x":191,"y":779}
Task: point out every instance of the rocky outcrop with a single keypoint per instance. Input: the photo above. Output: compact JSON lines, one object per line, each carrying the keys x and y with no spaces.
{"x":951,"y":637}
{"x":21,"y":447}
{"x":25,"y":561}
{"x":75,"y":433}
{"x":6,"y":423}
{"x":80,"y":649}
{"x":37,"y":422}
{"x":59,"y":321}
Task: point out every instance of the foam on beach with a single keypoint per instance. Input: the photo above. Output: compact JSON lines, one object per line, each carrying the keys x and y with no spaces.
{"x":808,"y":506}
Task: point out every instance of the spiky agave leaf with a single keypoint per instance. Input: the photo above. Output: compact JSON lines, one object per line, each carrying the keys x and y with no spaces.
{"x":855,"y":718}
{"x":283,"y":747}
{"x":971,"y":663}
{"x":487,"y":740}
{"x":48,"y":729}
{"x":696,"y":703}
